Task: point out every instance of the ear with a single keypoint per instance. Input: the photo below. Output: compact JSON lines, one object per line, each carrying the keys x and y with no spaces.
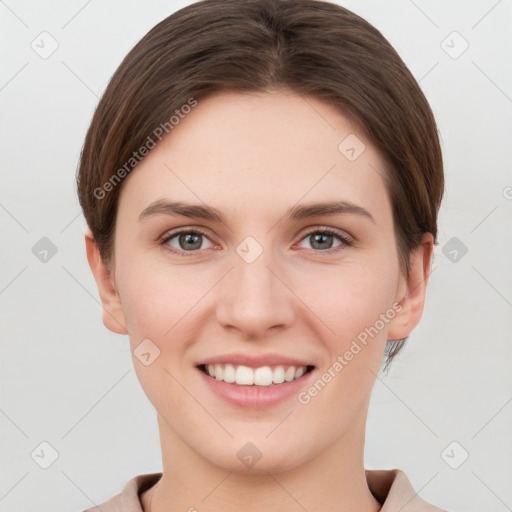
{"x":113,"y":316}
{"x":412,"y":290}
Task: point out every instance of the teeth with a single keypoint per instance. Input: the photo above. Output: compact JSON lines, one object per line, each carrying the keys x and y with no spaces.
{"x":289,"y":374}
{"x":244,"y":375}
{"x":219,"y":372}
{"x":262,"y":376}
{"x":278,"y":375}
{"x":229,"y":373}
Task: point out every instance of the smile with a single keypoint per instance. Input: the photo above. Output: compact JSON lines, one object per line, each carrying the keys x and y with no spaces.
{"x":262,"y":376}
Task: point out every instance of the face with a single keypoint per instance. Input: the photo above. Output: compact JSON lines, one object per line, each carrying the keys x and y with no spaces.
{"x":255,"y":279}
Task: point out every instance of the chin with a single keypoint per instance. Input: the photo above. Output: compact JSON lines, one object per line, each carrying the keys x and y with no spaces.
{"x":256,"y":457}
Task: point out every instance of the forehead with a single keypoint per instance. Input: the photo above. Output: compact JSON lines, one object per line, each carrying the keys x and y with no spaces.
{"x":256,"y":152}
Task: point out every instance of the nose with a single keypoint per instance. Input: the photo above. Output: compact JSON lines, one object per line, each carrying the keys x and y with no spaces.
{"x":255,"y":298}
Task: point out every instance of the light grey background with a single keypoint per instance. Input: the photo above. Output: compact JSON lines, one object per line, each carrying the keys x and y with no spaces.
{"x":67,"y":381}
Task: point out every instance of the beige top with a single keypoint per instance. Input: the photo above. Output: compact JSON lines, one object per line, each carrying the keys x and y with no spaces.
{"x":390,"y":487}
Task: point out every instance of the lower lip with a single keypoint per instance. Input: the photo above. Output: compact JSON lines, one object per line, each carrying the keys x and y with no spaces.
{"x":256,"y":397}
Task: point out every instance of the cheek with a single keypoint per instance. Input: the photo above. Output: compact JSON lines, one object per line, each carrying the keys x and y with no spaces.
{"x":159,"y":299}
{"x":159,"y":304}
{"x":353,"y":305}
{"x":351,"y":298}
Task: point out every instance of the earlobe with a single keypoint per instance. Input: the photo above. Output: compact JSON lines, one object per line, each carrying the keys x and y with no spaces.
{"x":413,"y":300}
{"x":113,"y":316}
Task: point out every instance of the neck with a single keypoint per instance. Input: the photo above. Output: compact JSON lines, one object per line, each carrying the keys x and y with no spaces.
{"x":334,"y":480}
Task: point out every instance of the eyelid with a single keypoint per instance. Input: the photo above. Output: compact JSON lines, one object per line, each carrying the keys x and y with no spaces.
{"x":343,"y":237}
{"x":179,"y":231}
{"x":327,"y":229}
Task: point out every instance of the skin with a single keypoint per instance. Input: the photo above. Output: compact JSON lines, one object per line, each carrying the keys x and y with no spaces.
{"x":253,"y":156}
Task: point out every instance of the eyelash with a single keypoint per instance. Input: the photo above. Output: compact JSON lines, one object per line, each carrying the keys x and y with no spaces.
{"x":346,"y":241}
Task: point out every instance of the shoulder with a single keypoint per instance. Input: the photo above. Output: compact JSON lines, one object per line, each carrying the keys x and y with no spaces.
{"x":128,"y":499}
{"x":394,"y":490}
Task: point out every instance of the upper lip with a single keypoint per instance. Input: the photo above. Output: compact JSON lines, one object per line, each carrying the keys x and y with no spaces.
{"x":255,"y":361}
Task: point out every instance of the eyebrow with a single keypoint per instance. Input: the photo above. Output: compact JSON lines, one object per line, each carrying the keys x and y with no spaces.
{"x":298,"y":212}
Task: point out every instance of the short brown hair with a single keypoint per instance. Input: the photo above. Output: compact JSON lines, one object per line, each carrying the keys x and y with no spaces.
{"x":311,"y":47}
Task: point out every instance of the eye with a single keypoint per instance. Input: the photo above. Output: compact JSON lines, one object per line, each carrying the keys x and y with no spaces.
{"x":322,"y":239}
{"x":185,"y":242}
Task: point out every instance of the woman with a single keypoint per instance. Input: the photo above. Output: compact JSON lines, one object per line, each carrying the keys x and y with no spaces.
{"x":261,"y":183}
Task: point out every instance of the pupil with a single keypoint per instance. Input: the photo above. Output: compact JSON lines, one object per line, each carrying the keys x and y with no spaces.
{"x":321,"y":237}
{"x":185,"y":239}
